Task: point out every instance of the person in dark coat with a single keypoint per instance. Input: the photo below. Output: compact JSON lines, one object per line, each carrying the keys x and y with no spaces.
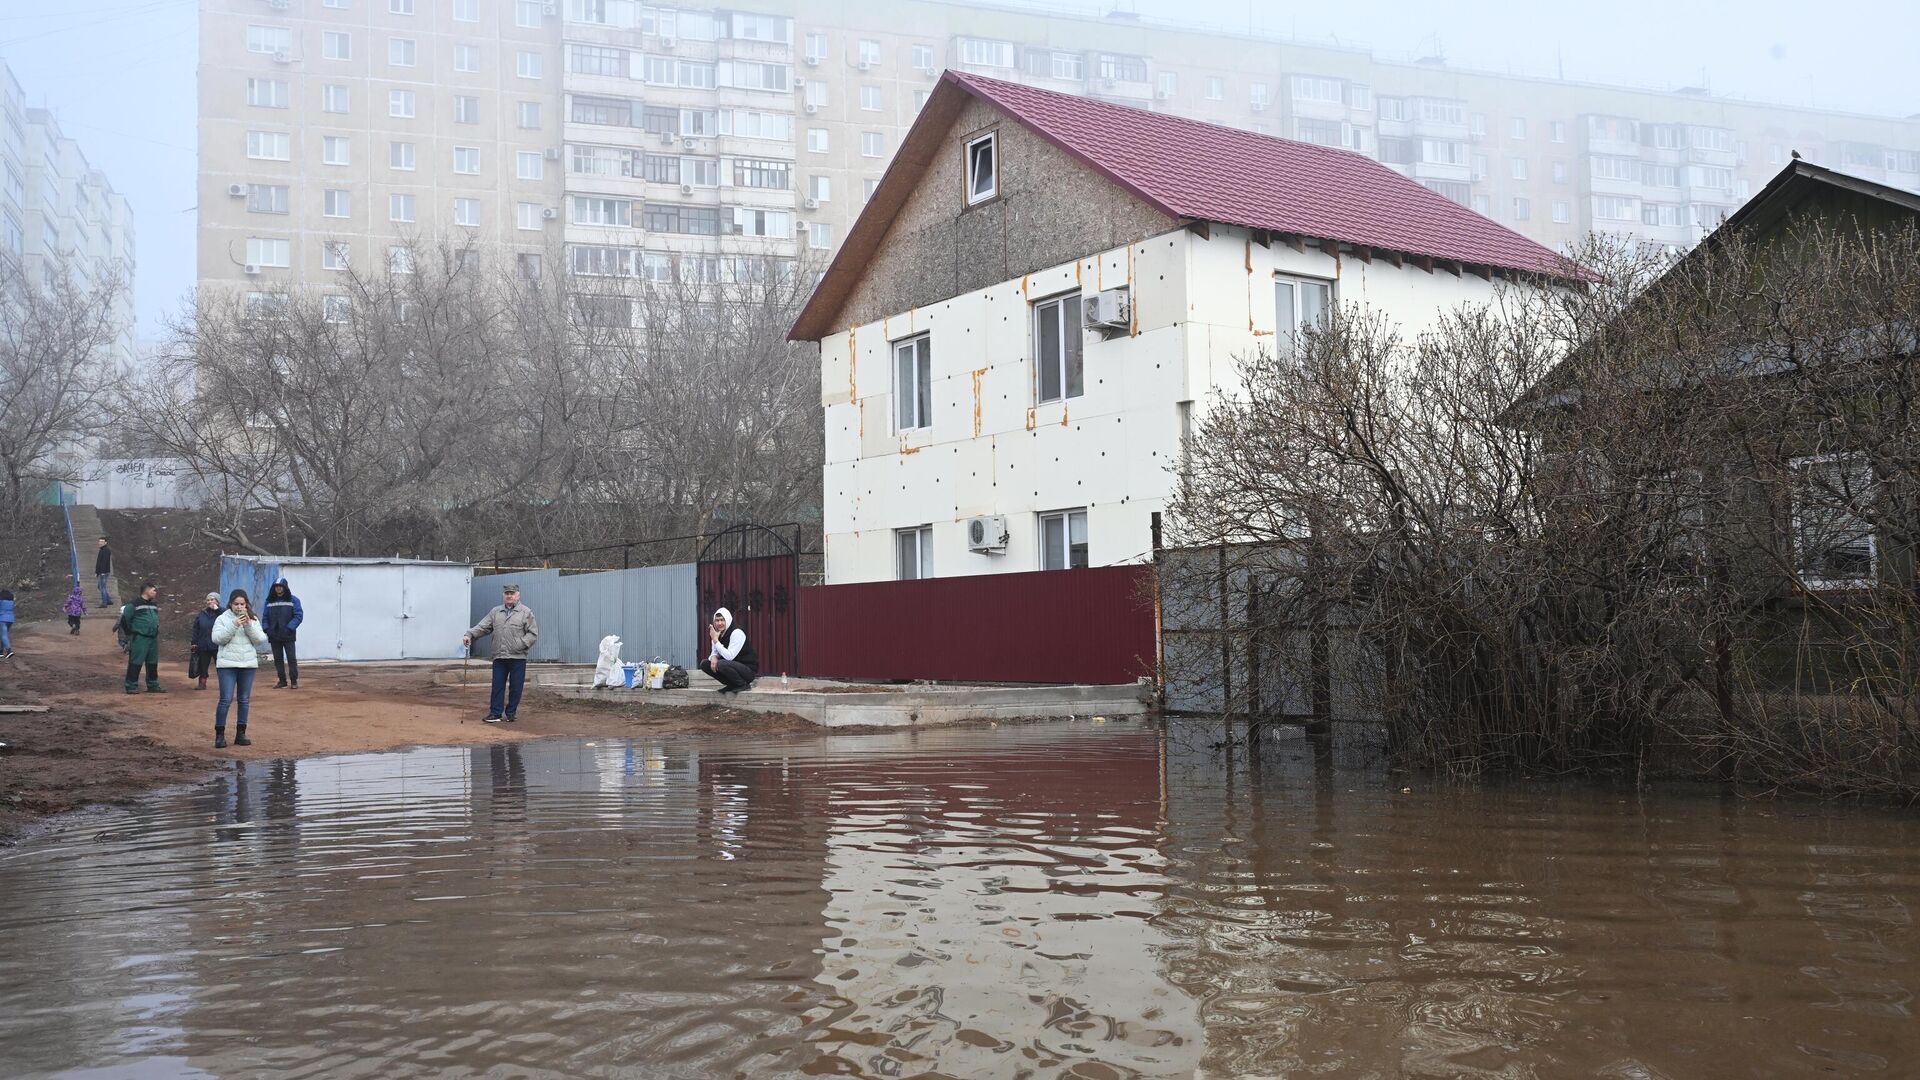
{"x":730,"y":657}
{"x":280,"y":619}
{"x":200,"y":661}
{"x":140,"y":622}
{"x":103,"y":570}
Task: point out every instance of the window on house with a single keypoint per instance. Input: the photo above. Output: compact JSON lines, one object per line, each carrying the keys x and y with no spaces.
{"x":914,"y":548}
{"x":268,"y":251}
{"x":400,"y":7}
{"x":466,"y":212}
{"x":336,"y":255}
{"x":400,"y":155}
{"x":869,"y":53}
{"x":529,"y":263}
{"x":267,"y":93}
{"x":870,"y":98}
{"x":1057,"y":342}
{"x":267,"y":198}
{"x":1519,"y":127}
{"x":400,"y":103}
{"x":1299,"y":304}
{"x":402,"y":52}
{"x":1522,"y":208}
{"x":399,"y":259}
{"x":529,"y":165}
{"x":335,"y":99}
{"x":466,"y":10}
{"x":466,"y":58}
{"x":819,"y":188}
{"x":868,"y":186}
{"x":528,"y":113}
{"x":983,"y":169}
{"x":336,"y":45}
{"x":1063,"y":540}
{"x":527,"y":12}
{"x":1833,"y":538}
{"x":599,"y":60}
{"x":336,"y":150}
{"x":270,"y":145}
{"x":399,"y":207}
{"x":1518,"y":168}
{"x":756,"y":173}
{"x":1169,"y":83}
{"x":529,"y":65}
{"x":1216,"y":88}
{"x":871,"y":144}
{"x":1557,"y":131}
{"x":336,"y":309}
{"x":819,"y":235}
{"x":529,"y":216}
{"x":1561,"y":213}
{"x":816,"y":140}
{"x":466,"y":110}
{"x":815,"y":47}
{"x":336,"y":202}
{"x":913,"y":383}
{"x":1559,"y":172}
{"x":466,"y":160}
{"x":269,"y":39}
{"x":923,"y":58}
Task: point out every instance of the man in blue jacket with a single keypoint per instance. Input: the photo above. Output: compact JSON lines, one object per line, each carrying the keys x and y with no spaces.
{"x":280,"y":619}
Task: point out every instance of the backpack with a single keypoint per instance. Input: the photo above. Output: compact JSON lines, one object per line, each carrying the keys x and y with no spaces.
{"x":674,"y":679}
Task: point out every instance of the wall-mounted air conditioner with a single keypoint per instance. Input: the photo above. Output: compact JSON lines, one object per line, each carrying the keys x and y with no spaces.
{"x":236,"y":190}
{"x":865,"y":65}
{"x":811,"y":204}
{"x":1109,"y":310}
{"x":688,"y":144}
{"x":549,"y":213}
{"x":812,"y":108}
{"x":813,"y":61}
{"x":667,"y":43}
{"x":667,"y":137}
{"x":553,"y":153}
{"x":250,"y":270}
{"x":686,"y":189}
{"x":987,"y":534}
{"x":282,"y":56}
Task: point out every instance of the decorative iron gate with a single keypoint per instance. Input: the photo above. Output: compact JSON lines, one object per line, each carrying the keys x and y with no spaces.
{"x":749,"y":570}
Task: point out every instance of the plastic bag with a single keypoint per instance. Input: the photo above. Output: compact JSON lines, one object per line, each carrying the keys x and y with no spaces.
{"x":607,"y":671}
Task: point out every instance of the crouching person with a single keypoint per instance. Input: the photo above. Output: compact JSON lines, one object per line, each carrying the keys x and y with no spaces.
{"x":514,"y":631}
{"x":730,"y":659}
{"x":237,"y":634}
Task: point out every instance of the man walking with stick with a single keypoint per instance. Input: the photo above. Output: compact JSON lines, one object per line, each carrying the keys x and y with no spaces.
{"x":514,"y":632}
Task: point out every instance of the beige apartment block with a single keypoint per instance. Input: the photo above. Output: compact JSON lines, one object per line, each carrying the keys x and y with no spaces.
{"x":709,"y":139}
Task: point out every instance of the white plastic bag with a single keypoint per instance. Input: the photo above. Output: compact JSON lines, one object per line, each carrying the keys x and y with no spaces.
{"x":606,"y":672}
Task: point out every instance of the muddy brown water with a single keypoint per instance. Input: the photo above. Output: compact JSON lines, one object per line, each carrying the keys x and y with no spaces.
{"x":1077,"y":900}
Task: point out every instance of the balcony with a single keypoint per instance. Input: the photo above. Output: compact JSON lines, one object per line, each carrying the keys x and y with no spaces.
{"x":1124,"y":90}
{"x":1435,"y":170}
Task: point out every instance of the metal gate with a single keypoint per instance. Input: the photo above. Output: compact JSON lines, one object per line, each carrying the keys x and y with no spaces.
{"x":749,"y":570}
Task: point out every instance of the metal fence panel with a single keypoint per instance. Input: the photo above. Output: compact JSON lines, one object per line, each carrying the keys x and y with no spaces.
{"x":652,"y":609}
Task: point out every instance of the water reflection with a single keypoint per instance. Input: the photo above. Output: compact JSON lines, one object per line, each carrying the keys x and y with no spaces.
{"x":1079,"y":900}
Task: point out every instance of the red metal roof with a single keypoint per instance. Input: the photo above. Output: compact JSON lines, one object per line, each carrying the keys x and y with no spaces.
{"x":1204,"y":172}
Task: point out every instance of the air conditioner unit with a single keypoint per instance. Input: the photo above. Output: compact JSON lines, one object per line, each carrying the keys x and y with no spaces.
{"x":1162,"y":95}
{"x":813,"y":61}
{"x":236,"y":190}
{"x":688,"y":144}
{"x":812,"y":108}
{"x":865,"y":65}
{"x":551,"y":7}
{"x":1108,"y":310}
{"x":667,"y":43}
{"x":987,"y":534}
{"x":553,"y":153}
{"x":739,"y":229}
{"x":549,"y":213}
{"x":280,"y":5}
{"x":1259,"y":106}
{"x":811,"y":204}
{"x":282,"y":56}
{"x":686,"y":189}
{"x":667,"y":137}
{"x":250,"y":269}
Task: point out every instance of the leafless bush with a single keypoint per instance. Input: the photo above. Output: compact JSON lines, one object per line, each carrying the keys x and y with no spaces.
{"x":1670,"y":513}
{"x":58,"y":375}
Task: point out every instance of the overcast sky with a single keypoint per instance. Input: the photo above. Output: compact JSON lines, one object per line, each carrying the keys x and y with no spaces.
{"x":120,"y":73}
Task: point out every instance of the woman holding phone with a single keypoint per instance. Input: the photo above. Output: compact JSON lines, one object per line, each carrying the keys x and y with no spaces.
{"x":238,"y":636}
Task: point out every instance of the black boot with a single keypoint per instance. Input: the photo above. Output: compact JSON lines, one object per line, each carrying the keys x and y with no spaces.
{"x":219,"y":738}
{"x":240,"y":736}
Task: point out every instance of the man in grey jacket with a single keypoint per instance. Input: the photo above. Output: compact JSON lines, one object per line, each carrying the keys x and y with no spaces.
{"x":514,"y":632}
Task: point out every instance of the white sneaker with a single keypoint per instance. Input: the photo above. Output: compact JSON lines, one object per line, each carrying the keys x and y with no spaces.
{"x":494,"y":719}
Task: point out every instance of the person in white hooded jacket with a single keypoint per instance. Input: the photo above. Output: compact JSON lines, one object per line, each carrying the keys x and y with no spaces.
{"x":730,"y":656}
{"x":238,"y":636}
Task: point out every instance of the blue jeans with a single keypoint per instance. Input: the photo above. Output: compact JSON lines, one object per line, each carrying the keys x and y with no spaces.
{"x":6,"y":637}
{"x":505,"y":672}
{"x":105,"y":600}
{"x":235,"y":683}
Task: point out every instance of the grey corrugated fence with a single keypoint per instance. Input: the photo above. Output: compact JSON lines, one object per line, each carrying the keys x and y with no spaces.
{"x":653,"y":609}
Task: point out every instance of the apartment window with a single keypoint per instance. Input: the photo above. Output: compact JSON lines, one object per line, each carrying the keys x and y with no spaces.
{"x":1443,"y":152}
{"x":1257,"y":95}
{"x":400,"y":7}
{"x":340,"y":4}
{"x":594,"y":210}
{"x":1057,"y":341}
{"x":752,"y":124}
{"x":819,"y":235}
{"x":269,"y":146}
{"x":402,"y":52}
{"x":528,"y":115}
{"x":751,"y":76}
{"x":336,"y":150}
{"x":336,"y":309}
{"x":1613,"y":208}
{"x":400,"y":155}
{"x":466,"y":10}
{"x":399,"y":259}
{"x":869,"y":53}
{"x":1522,"y":208}
{"x":529,"y":165}
{"x":817,"y":140}
{"x":399,"y":207}
{"x":336,"y":45}
{"x":983,"y":169}
{"x":1561,"y":214}
{"x":466,"y":212}
{"x":1393,"y":108}
{"x":701,"y":172}
{"x":1483,"y":205}
{"x":1660,"y":175}
{"x":605,"y":112}
{"x":1216,"y":88}
{"x":1479,"y":166}
{"x":527,"y":12}
{"x":1300,"y":304}
{"x":1063,"y":540}
{"x":870,"y":144}
{"x":400,"y":103}
{"x":336,"y":203}
{"x":529,"y":263}
{"x":1519,"y":127}
{"x":748,"y":221}
{"x":914,"y":552}
{"x":819,"y":188}
{"x":1517,"y":168}
{"x":528,"y":65}
{"x":1663,"y":214}
{"x":267,"y":198}
{"x":1557,"y":131}
{"x":1833,"y":540}
{"x":1360,"y":96}
{"x":265,"y":251}
{"x":981,"y":52}
{"x":335,"y":255}
{"x":267,"y":93}
{"x":1559,"y":172}
{"x":870,"y":98}
{"x":913,"y":383}
{"x":1169,"y":83}
{"x":613,"y":161}
{"x":466,"y":58}
{"x":683,"y":220}
{"x":269,"y":39}
{"x":335,"y":98}
{"x":466,"y":160}
{"x":754,"y":173}
{"x":1309,"y":88}
{"x":816,"y":47}
{"x":923,"y":58}
{"x":529,"y":216}
{"x":466,"y":109}
{"x":599,"y":60}
{"x":868,"y":187}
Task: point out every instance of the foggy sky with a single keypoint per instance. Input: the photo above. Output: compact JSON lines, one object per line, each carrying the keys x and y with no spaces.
{"x":120,"y":73}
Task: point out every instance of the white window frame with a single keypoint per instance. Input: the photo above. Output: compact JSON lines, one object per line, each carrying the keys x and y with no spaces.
{"x":269,"y":251}
{"x":276,"y":96}
{"x":403,"y":52}
{"x":913,"y":553}
{"x":1814,"y":583}
{"x":466,"y":10}
{"x":525,"y":109}
{"x":461,"y":214}
{"x":528,"y":64}
{"x":336,"y":199}
{"x":529,"y":165}
{"x":466,"y":160}
{"x":529,"y":217}
{"x":1069,"y":342}
{"x":330,"y":143}
{"x":267,"y":143}
{"x":332,"y":94}
{"x":466,"y":109}
{"x":990,"y":145}
{"x":872,"y":144}
{"x":1067,"y":519}
{"x":269,"y":39}
{"x":402,"y":155}
{"x":1293,"y":288}
{"x":402,"y":104}
{"x":402,"y":207}
{"x":466,"y":58}
{"x":400,"y":259}
{"x":336,"y":255}
{"x":336,"y":45}
{"x":913,"y":383}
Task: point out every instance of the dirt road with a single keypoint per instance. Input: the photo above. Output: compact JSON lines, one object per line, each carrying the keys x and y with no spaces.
{"x":98,"y":744}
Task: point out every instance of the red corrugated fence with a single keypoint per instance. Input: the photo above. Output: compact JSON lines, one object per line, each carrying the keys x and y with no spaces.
{"x":1053,"y":626}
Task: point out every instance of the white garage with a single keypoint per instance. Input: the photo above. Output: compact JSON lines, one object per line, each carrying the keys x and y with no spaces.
{"x":364,"y":609}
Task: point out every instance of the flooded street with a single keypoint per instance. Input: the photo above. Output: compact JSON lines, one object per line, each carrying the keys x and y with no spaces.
{"x":1078,"y":900}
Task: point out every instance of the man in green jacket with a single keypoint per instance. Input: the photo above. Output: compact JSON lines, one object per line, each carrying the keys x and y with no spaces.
{"x":140,"y":622}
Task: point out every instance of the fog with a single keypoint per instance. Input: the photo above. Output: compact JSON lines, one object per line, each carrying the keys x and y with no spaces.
{"x":120,"y":73}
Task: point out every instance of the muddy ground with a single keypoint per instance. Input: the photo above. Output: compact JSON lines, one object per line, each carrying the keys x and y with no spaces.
{"x":98,"y":745}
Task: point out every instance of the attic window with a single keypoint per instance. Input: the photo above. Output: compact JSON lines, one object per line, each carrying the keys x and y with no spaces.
{"x":983,"y":170}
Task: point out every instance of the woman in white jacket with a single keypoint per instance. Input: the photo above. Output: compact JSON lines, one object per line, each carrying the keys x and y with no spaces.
{"x":238,"y":636}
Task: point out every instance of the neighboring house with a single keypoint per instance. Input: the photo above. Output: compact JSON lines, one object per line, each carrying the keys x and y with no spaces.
{"x":1017,"y":332}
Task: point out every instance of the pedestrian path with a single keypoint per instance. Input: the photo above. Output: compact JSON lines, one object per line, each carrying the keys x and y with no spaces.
{"x":86,"y":529}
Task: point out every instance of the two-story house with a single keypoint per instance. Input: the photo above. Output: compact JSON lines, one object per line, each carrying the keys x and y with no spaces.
{"x":1044,"y":288}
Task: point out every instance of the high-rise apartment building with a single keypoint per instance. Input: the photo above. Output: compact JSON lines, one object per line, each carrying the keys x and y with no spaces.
{"x":56,"y":209}
{"x":719,"y":142}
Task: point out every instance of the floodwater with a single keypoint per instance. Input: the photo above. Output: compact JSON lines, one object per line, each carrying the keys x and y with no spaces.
{"x":1081,"y":900}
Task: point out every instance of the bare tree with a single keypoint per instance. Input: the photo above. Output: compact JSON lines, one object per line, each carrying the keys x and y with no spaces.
{"x":58,"y":375}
